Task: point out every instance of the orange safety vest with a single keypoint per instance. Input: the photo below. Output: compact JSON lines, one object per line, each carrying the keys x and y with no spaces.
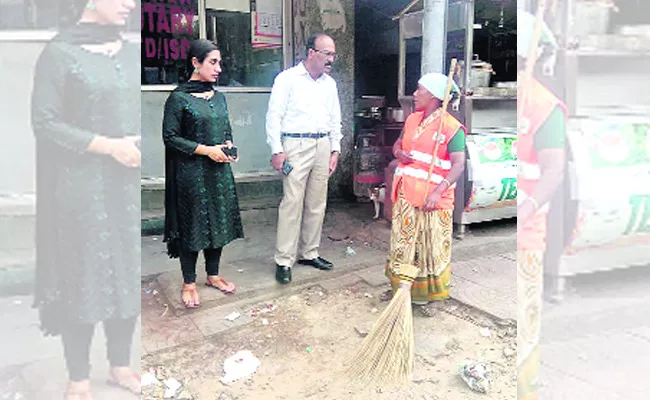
{"x":540,"y":103}
{"x":413,"y":176}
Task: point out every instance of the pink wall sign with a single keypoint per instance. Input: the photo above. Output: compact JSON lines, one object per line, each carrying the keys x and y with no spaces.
{"x":169,"y":21}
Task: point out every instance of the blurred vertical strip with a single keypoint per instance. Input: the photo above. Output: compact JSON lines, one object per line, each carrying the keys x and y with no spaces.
{"x":596,"y":263}
{"x":69,"y":197}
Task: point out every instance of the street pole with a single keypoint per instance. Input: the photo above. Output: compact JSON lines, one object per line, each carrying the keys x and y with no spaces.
{"x":434,"y":36}
{"x":463,"y":185}
{"x":570,"y":60}
{"x":203,"y":26}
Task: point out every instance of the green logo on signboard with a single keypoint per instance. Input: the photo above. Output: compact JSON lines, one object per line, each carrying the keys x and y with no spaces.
{"x":620,"y":145}
{"x":496,"y":149}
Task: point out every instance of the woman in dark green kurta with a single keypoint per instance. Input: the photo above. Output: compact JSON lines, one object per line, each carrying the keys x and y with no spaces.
{"x":201,"y":206}
{"x":86,"y":121}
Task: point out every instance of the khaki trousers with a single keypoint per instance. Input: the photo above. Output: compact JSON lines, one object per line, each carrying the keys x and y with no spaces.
{"x":302,"y":210}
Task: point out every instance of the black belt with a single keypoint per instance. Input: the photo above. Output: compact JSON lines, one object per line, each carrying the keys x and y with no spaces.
{"x":305,"y":135}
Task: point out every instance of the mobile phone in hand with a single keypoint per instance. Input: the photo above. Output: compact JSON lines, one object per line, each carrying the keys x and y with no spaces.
{"x":286,"y":168}
{"x":230,"y":152}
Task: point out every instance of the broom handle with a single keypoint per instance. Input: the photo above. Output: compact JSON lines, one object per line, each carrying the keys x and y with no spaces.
{"x":532,"y":57}
{"x":445,"y":103}
{"x":554,"y":7}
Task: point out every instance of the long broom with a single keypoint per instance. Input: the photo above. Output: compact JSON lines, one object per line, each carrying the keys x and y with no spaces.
{"x":386,"y":355}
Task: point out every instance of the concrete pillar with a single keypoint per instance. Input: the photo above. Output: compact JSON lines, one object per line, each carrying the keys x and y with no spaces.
{"x":434,"y":36}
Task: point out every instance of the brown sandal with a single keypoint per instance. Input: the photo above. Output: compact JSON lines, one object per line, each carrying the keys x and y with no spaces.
{"x":77,"y":394}
{"x":131,"y":384}
{"x":220,"y":284}
{"x":73,"y":395}
{"x":189,"y":296}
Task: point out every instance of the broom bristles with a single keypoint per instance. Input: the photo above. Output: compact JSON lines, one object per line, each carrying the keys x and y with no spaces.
{"x":386,"y":354}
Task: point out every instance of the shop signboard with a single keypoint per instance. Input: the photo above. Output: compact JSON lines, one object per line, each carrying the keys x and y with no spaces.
{"x":266,"y":24}
{"x":610,"y":179}
{"x":493,"y":164}
{"x":167,"y":29}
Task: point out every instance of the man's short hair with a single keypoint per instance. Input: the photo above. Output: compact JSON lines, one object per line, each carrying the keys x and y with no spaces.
{"x":311,"y":42}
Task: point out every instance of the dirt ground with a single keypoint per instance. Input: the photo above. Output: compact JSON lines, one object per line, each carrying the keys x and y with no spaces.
{"x":304,"y":343}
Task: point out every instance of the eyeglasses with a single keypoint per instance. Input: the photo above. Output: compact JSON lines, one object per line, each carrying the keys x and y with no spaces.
{"x":326,"y":53}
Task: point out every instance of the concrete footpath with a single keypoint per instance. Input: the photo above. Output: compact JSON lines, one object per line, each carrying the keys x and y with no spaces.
{"x":484,"y":278}
{"x":595,"y":344}
{"x":484,"y":274}
{"x":32,"y":366}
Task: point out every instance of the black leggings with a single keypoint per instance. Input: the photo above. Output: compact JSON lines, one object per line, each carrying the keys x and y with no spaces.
{"x":188,"y":263}
{"x":77,"y":339}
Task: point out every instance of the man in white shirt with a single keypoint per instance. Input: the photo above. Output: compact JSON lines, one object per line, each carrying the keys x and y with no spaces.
{"x":303,"y":128}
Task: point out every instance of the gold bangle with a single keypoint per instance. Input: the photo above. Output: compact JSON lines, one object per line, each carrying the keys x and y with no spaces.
{"x":535,"y":204}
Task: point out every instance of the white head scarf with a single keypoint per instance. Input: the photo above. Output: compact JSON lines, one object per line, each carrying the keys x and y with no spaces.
{"x":436,"y":83}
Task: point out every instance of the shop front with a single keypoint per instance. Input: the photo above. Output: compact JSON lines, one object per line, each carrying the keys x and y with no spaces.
{"x":258,"y":39}
{"x":481,"y":35}
{"x":254,"y":38}
{"x":255,"y":42}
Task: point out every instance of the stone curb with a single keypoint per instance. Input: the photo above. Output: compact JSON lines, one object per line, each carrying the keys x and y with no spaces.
{"x":17,"y":279}
{"x":328,"y":284}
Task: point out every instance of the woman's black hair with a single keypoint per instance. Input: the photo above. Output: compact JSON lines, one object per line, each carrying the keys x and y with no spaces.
{"x":70,"y":11}
{"x":200,"y":49}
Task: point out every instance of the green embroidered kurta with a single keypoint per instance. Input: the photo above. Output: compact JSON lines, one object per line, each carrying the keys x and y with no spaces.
{"x":201,"y":205}
{"x":88,"y":204}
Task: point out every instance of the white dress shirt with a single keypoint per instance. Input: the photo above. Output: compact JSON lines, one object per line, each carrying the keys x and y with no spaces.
{"x":300,"y":104}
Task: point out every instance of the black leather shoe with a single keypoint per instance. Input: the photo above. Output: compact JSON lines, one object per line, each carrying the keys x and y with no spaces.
{"x":282,"y":274}
{"x":318,"y":262}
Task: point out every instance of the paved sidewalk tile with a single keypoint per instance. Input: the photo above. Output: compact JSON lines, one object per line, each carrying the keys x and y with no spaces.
{"x":490,"y":300}
{"x":331,"y":285}
{"x":37,"y":362}
{"x":493,"y":271}
{"x":591,"y":359}
{"x":375,"y":276}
